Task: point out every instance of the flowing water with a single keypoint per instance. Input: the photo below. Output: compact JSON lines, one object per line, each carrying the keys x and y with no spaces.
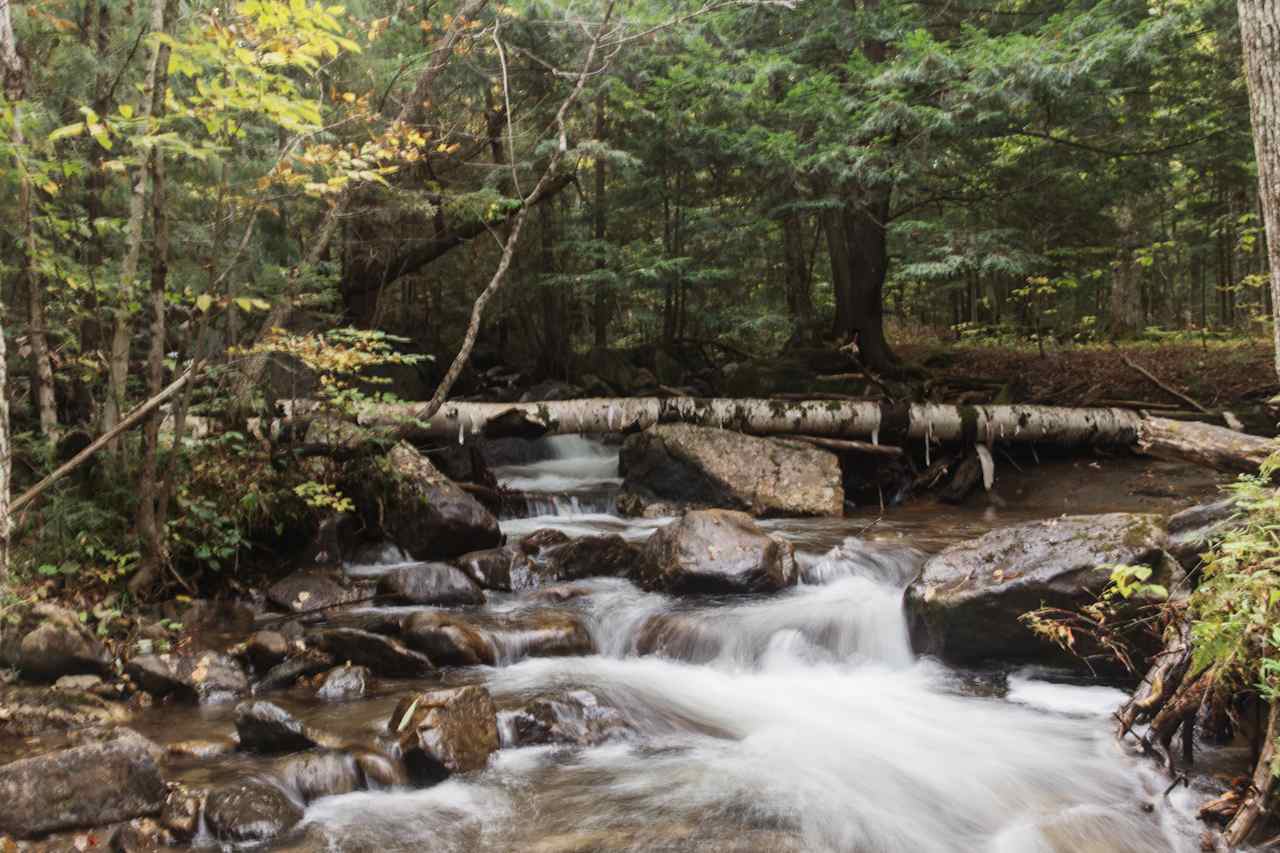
{"x":797,"y":722}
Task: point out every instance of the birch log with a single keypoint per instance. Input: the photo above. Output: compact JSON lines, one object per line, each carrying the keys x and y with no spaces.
{"x":860,"y":420}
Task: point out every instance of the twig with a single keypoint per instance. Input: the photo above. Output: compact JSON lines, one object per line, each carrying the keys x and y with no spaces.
{"x":849,"y":444}
{"x":1163,"y":387}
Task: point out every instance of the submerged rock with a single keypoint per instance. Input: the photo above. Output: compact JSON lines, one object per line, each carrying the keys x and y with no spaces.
{"x":716,"y":551}
{"x":250,"y":812}
{"x":445,"y":732}
{"x":382,"y":655}
{"x":573,"y":718}
{"x":452,"y":639}
{"x":308,"y":662}
{"x":95,"y":783}
{"x":345,"y":682}
{"x":48,"y":642}
{"x":967,"y":601}
{"x":207,"y":678}
{"x":263,"y":650}
{"x":420,"y":509}
{"x":436,"y":584}
{"x":324,"y":773}
{"x":720,"y":468}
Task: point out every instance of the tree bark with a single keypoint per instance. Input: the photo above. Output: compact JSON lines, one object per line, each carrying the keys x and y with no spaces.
{"x":1260,"y":35}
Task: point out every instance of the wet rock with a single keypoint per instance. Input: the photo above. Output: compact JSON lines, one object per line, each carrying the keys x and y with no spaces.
{"x":207,"y":678}
{"x":493,"y":568}
{"x":542,"y":633}
{"x":967,"y":601}
{"x":716,"y":551}
{"x":263,"y":650}
{"x":95,"y":783}
{"x":308,"y":662}
{"x":139,"y":834}
{"x":380,"y":772}
{"x":181,"y":811}
{"x":305,"y":591}
{"x":326,"y":773}
{"x":345,"y":682}
{"x":418,"y":508}
{"x":445,"y":731}
{"x":448,"y":640}
{"x":574,"y":718}
{"x":593,"y":556}
{"x":266,"y":728}
{"x":539,"y":540}
{"x":48,"y":642}
{"x":559,"y":594}
{"x":722,"y":468}
{"x":382,"y":655}
{"x":199,"y":749}
{"x":250,"y":813}
{"x":436,"y":584}
{"x":459,"y":640}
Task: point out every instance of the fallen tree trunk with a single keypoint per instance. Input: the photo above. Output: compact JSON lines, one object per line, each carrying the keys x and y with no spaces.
{"x":880,"y":423}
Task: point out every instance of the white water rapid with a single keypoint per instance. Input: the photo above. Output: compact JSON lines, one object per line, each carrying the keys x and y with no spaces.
{"x":798,"y":722}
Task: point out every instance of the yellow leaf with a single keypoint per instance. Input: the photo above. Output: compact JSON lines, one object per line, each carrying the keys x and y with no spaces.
{"x":126,"y":110}
{"x":203,"y":302}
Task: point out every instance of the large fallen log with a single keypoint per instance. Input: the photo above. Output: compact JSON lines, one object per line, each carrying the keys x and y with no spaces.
{"x":864,"y":420}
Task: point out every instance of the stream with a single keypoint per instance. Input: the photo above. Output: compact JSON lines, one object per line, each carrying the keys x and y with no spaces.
{"x":797,"y":722}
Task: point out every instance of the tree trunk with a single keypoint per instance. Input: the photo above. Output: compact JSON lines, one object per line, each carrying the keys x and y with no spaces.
{"x":859,"y":263}
{"x":42,"y":370}
{"x":139,"y":182}
{"x":13,"y":78}
{"x":152,"y":517}
{"x":1260,"y":34}
{"x":797,"y":273}
{"x":601,"y":309}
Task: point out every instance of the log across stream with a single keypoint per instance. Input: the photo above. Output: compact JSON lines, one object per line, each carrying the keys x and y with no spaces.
{"x":876,"y":422}
{"x":799,"y":721}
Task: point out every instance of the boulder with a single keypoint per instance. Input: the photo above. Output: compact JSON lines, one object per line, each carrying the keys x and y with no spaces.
{"x":266,"y":728}
{"x":716,"y":551}
{"x":345,"y":682}
{"x":542,"y":633}
{"x":493,"y":568}
{"x":438,"y":584}
{"x":448,"y":640}
{"x":593,"y":556}
{"x":720,"y":468}
{"x":966,"y":604}
{"x":418,"y":508}
{"x":1194,"y":529}
{"x":382,"y":655}
{"x":250,"y":812}
{"x":95,"y":783}
{"x":48,"y":642}
{"x":308,"y":590}
{"x":445,"y":732}
{"x":207,"y":678}
{"x":573,"y":718}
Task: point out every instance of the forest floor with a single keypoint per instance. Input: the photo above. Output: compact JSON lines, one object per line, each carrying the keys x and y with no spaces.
{"x":1217,"y":374}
